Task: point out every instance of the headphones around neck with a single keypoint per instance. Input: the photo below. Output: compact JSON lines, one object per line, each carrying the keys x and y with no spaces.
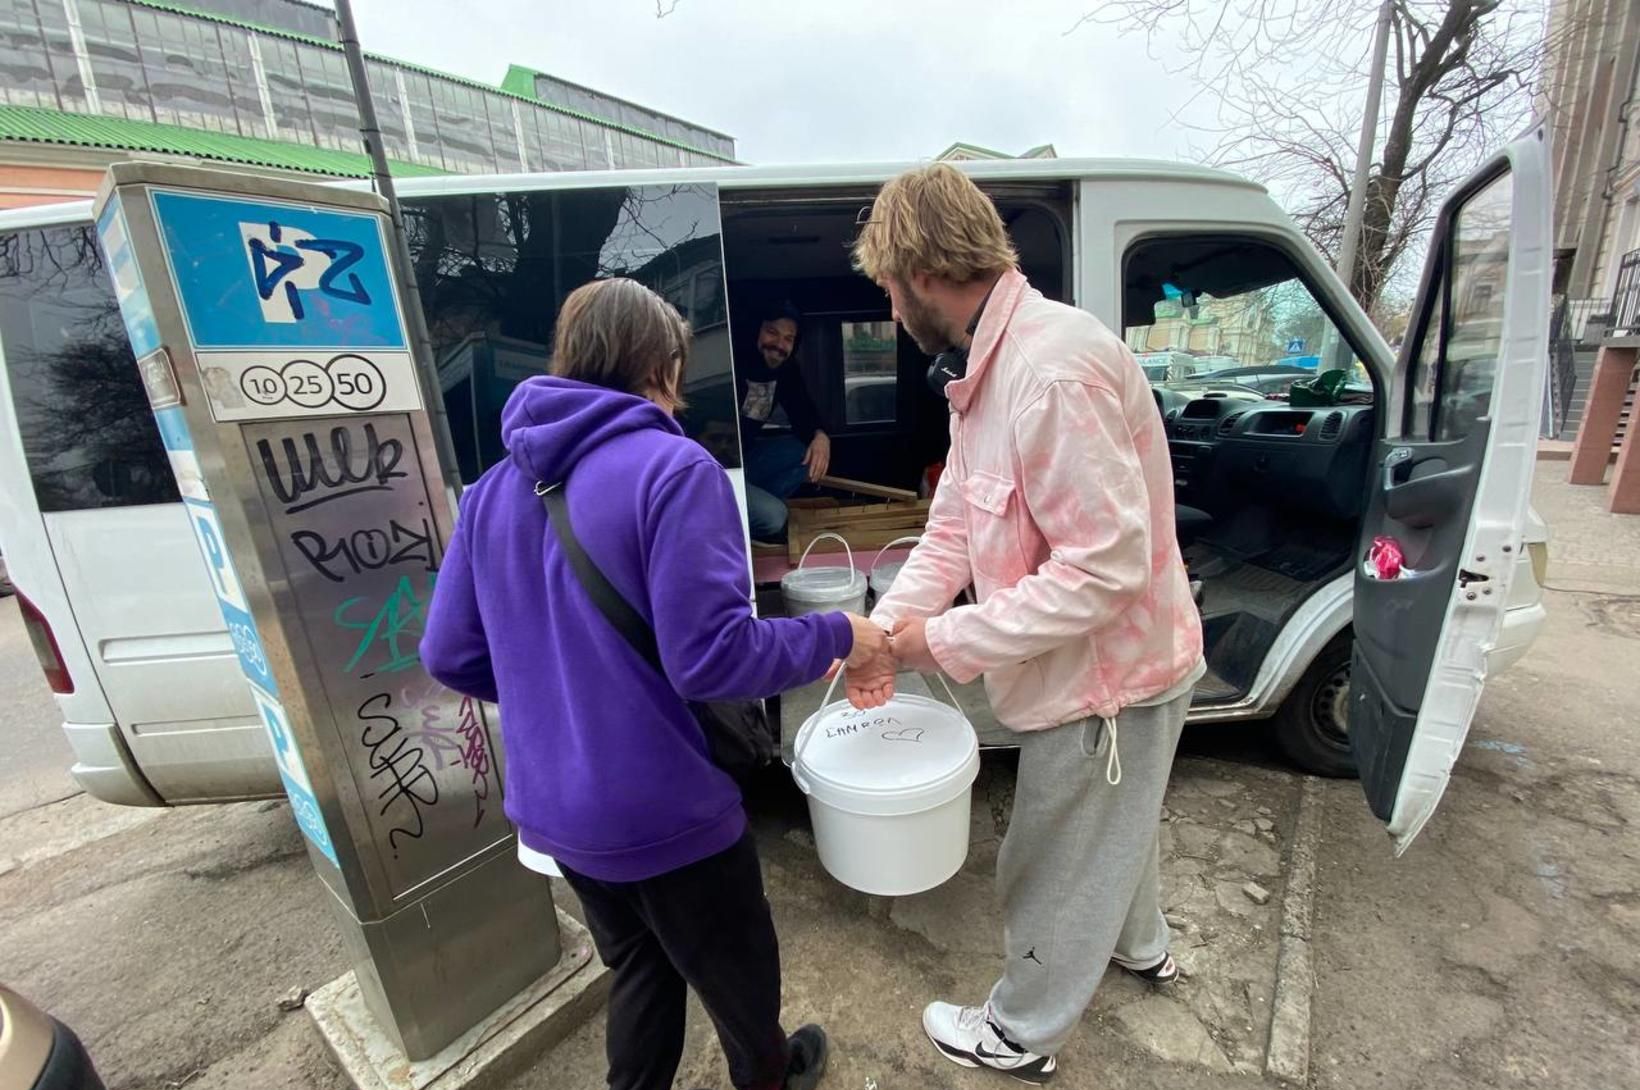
{"x":952,"y":364}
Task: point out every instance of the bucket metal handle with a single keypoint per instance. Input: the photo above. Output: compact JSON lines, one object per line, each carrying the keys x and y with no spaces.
{"x":820,"y":537}
{"x":878,"y":559}
{"x":825,"y":702}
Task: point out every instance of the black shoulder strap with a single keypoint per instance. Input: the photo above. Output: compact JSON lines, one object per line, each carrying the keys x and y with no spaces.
{"x":616,"y":609}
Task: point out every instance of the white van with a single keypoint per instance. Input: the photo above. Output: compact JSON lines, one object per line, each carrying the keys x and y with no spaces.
{"x":1172,"y":366}
{"x":1277,"y":505}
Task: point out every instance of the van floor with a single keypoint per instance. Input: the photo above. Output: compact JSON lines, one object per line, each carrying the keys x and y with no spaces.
{"x":1245,"y":602}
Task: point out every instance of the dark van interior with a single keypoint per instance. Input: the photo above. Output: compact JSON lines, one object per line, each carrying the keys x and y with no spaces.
{"x":865,"y":374}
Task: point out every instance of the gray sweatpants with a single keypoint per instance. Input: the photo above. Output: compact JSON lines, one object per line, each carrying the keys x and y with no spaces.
{"x":1079,"y":872}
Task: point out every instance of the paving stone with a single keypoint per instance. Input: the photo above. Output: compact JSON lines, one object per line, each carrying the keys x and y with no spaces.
{"x":1194,"y":839}
{"x":960,"y":916}
{"x":1168,"y":1030}
{"x":1219,"y":788}
{"x":1232,"y":899}
{"x":1249,"y":855}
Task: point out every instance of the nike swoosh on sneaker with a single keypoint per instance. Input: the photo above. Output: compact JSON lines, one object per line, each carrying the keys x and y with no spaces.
{"x":997,"y":1059}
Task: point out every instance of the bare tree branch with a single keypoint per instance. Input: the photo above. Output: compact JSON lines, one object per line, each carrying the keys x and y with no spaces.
{"x":1285,"y":80}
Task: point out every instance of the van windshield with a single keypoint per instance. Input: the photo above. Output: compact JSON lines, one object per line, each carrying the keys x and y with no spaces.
{"x":1235,"y":311}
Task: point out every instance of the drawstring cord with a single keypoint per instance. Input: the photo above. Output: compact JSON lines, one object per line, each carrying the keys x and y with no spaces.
{"x":1113,"y":763}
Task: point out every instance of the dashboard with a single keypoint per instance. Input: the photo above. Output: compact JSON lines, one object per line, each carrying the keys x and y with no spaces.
{"x":1230,"y":447}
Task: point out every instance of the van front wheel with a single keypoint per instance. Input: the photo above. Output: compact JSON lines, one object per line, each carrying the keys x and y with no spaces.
{"x":1312,"y":726}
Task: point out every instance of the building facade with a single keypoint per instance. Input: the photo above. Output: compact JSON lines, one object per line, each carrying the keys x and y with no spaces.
{"x":263,"y":83}
{"x":1590,"y":99}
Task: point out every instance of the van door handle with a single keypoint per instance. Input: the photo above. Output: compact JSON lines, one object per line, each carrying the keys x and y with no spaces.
{"x":1393,"y":461}
{"x":1424,"y":501}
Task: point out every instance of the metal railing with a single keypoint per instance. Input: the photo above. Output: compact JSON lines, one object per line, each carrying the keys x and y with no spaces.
{"x":1626,"y":300}
{"x":1573,"y":324}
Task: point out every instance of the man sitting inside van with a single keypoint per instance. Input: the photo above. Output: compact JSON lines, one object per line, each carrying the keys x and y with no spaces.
{"x":777,"y":465}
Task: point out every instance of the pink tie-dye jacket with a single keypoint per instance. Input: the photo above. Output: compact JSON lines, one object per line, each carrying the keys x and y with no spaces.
{"x":1057,"y":505}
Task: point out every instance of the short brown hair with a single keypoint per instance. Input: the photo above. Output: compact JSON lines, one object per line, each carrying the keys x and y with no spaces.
{"x":933,"y":220}
{"x":617,"y":333}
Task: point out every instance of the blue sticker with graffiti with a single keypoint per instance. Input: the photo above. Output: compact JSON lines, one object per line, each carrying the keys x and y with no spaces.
{"x":129,"y":290}
{"x":263,"y":274}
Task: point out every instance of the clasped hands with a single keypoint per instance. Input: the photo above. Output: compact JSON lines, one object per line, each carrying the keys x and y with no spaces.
{"x":878,"y":655}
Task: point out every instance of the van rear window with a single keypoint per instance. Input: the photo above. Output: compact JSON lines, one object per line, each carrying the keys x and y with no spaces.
{"x":88,"y":434}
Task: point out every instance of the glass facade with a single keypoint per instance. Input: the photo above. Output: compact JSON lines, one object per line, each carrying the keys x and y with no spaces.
{"x":129,"y":60}
{"x":584,"y":100}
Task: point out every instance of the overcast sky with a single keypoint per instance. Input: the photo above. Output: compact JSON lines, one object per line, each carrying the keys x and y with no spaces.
{"x":802,"y":81}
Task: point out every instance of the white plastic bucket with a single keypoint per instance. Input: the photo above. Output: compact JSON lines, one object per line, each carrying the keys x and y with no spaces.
{"x":824,"y":589}
{"x":881,"y":576}
{"x":889,"y":791}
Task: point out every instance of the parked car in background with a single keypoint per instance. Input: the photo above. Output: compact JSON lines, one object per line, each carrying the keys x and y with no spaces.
{"x":1171,"y":366}
{"x":1273,"y":378}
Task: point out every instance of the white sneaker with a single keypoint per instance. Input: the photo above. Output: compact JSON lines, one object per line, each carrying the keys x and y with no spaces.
{"x":968,"y":1036}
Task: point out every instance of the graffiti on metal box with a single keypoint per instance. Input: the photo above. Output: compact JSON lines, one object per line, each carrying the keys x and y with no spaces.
{"x":337,"y":557}
{"x":389,"y":631}
{"x":399,"y":766}
{"x":328,"y":475}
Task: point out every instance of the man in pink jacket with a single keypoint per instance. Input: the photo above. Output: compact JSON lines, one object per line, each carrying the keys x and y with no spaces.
{"x":1057,"y":506}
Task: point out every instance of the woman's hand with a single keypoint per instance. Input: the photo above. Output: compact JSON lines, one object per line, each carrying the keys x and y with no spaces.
{"x":871,"y":666}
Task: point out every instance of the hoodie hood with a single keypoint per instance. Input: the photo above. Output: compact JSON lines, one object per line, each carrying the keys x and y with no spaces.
{"x":550,"y":424}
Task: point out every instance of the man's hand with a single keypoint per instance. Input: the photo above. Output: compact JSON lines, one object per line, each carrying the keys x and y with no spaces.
{"x":870,"y":665}
{"x":818,"y":456}
{"x":910,"y":644}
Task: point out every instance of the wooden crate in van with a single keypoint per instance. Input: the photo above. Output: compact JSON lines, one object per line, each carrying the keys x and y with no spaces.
{"x":867,"y":527}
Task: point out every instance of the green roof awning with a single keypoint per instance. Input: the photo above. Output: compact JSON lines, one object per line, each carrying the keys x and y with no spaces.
{"x":41,"y":126}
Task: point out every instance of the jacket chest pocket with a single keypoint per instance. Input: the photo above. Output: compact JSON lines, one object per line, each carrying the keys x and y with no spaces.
{"x":993,"y":539}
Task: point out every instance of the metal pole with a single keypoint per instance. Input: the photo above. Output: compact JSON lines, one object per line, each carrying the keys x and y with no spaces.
{"x":1363,"y":151}
{"x":421,"y":341}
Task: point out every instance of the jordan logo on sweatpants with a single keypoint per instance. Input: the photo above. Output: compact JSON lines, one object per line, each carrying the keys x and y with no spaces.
{"x":1030,"y":955}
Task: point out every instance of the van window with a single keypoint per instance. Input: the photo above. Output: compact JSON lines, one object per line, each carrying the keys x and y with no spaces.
{"x":88,"y":434}
{"x":870,"y":371}
{"x":1461,"y":351}
{"x":1240,"y":301}
{"x":495,"y":267}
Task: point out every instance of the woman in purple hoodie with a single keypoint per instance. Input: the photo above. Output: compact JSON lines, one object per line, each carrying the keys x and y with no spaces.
{"x":607,"y":771}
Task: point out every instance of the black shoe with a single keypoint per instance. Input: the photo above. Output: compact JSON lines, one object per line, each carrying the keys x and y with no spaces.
{"x":1161,"y":974}
{"x":808,"y":1063}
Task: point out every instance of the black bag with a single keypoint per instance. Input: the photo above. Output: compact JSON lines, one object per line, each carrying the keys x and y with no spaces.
{"x":738,"y":733}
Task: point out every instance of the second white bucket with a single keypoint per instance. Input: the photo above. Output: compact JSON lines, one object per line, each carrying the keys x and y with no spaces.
{"x":889,"y":791}
{"x":824,"y":589}
{"x":881,"y":576}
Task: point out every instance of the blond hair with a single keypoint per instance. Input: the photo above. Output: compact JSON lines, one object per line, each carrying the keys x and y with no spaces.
{"x":933,"y":220}
{"x":617,"y":333}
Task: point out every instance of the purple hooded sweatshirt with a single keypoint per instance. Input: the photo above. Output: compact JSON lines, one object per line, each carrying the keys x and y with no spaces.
{"x":606,"y":769}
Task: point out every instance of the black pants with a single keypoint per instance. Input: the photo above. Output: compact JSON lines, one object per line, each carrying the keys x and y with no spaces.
{"x":706,"y":926}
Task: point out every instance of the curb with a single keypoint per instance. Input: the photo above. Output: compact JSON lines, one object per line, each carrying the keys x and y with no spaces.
{"x":1288,"y":1055}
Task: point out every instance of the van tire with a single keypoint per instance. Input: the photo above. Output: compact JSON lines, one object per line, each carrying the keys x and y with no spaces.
{"x":1312,"y":725}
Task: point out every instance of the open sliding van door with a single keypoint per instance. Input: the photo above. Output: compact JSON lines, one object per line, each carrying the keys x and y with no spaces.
{"x":1448,"y":496}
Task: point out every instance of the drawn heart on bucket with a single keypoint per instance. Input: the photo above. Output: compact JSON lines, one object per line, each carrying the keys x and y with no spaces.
{"x":904,"y":734}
